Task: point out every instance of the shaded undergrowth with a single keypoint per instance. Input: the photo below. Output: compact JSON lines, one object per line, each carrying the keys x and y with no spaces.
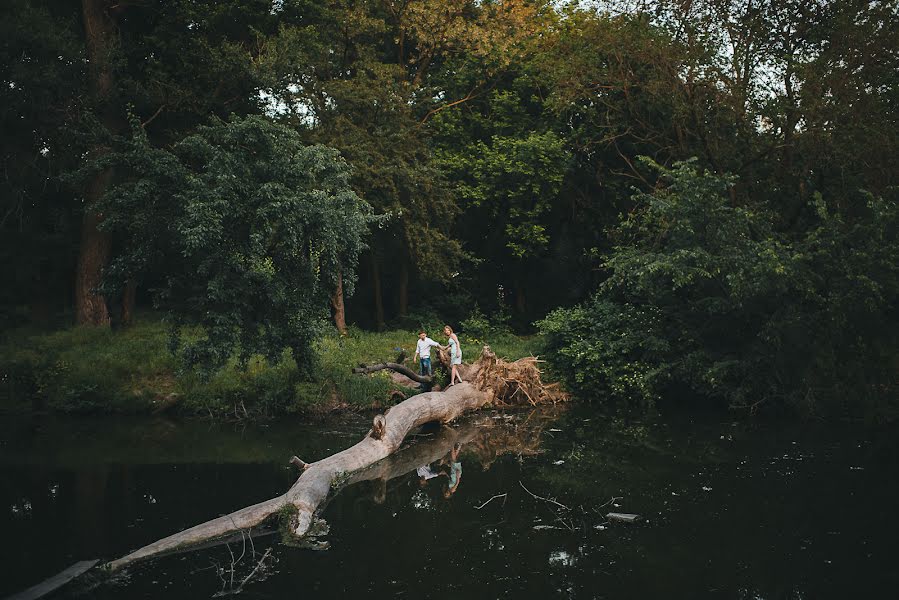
{"x":93,"y":370}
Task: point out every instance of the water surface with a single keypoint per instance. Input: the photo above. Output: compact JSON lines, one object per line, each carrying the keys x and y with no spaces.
{"x":730,"y":509}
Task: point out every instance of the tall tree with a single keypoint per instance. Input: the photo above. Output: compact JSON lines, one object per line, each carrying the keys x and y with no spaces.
{"x":101,"y":40}
{"x":363,"y":81}
{"x":246,"y":230}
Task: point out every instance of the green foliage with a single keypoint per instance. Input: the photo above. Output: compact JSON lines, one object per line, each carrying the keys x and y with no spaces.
{"x":603,"y":348}
{"x":42,"y":77}
{"x":499,"y":142}
{"x":707,"y":294}
{"x":477,"y":326}
{"x":513,"y":181}
{"x":86,"y":369}
{"x":83,"y":370}
{"x":245,"y":229}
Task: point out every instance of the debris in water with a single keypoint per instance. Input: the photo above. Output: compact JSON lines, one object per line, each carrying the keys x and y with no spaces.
{"x":624,"y":517}
{"x":706,"y":489}
{"x":559,"y":462}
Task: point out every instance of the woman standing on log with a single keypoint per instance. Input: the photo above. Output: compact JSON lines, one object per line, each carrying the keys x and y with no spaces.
{"x":455,"y":353}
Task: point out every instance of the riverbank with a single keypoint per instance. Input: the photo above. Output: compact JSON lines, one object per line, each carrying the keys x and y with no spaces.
{"x":84,"y":370}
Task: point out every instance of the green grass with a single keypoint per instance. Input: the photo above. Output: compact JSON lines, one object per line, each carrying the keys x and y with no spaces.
{"x":85,"y":369}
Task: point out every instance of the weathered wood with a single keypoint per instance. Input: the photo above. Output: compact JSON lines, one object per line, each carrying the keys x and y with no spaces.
{"x":54,"y":583}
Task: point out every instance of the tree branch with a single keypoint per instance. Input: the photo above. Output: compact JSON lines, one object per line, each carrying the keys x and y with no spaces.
{"x":152,"y":118}
{"x":364,"y":369}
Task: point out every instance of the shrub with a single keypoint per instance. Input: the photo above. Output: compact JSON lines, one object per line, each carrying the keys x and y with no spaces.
{"x":704,"y":293}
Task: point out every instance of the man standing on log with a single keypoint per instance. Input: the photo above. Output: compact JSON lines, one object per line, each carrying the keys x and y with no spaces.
{"x":423,"y":350}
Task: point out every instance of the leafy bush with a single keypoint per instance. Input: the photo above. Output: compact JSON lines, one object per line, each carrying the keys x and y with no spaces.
{"x":709,"y":294}
{"x":244,"y":229}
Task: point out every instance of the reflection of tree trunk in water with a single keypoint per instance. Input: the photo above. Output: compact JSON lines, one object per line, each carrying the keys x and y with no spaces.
{"x":487,"y":380}
{"x":94,"y":250}
{"x":481,"y":436}
{"x":376,"y":288}
{"x":403,"y":290}
{"x":338,"y":306}
{"x":90,"y":506}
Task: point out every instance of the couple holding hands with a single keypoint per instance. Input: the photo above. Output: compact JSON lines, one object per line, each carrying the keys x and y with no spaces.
{"x":423,"y":350}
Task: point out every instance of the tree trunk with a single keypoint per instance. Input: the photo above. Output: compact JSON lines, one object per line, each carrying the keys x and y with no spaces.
{"x":376,"y":288}
{"x":403,"y":290}
{"x":93,"y":255}
{"x":129,"y":297}
{"x":338,"y":306}
{"x":90,"y":306}
{"x":488,"y":379}
{"x":520,"y":304}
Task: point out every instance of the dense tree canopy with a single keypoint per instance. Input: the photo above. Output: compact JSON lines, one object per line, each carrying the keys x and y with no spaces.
{"x":241,"y":228}
{"x":500,"y":145}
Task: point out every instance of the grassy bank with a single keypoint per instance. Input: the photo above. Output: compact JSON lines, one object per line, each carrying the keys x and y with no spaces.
{"x":85,"y":370}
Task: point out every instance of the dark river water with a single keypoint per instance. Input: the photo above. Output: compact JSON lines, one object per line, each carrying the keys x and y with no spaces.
{"x":516,"y":510}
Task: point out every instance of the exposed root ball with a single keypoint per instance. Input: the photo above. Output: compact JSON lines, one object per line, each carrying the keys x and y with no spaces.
{"x":515,"y":382}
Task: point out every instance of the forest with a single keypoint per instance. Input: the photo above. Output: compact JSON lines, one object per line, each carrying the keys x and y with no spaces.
{"x":690,"y":202}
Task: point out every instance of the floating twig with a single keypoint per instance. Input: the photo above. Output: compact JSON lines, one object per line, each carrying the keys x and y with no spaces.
{"x":541,"y":497}
{"x":490,"y":500}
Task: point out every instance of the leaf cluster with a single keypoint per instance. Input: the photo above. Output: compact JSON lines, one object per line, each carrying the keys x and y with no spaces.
{"x":241,"y":228}
{"x":705,"y":294}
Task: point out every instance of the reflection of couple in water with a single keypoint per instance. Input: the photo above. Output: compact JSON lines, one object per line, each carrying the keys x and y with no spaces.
{"x":449,"y":466}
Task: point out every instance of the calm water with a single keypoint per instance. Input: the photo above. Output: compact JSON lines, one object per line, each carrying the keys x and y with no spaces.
{"x":731,"y":510}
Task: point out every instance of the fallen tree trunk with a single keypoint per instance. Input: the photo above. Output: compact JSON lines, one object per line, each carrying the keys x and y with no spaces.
{"x":482,"y":437}
{"x":488,"y":380}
